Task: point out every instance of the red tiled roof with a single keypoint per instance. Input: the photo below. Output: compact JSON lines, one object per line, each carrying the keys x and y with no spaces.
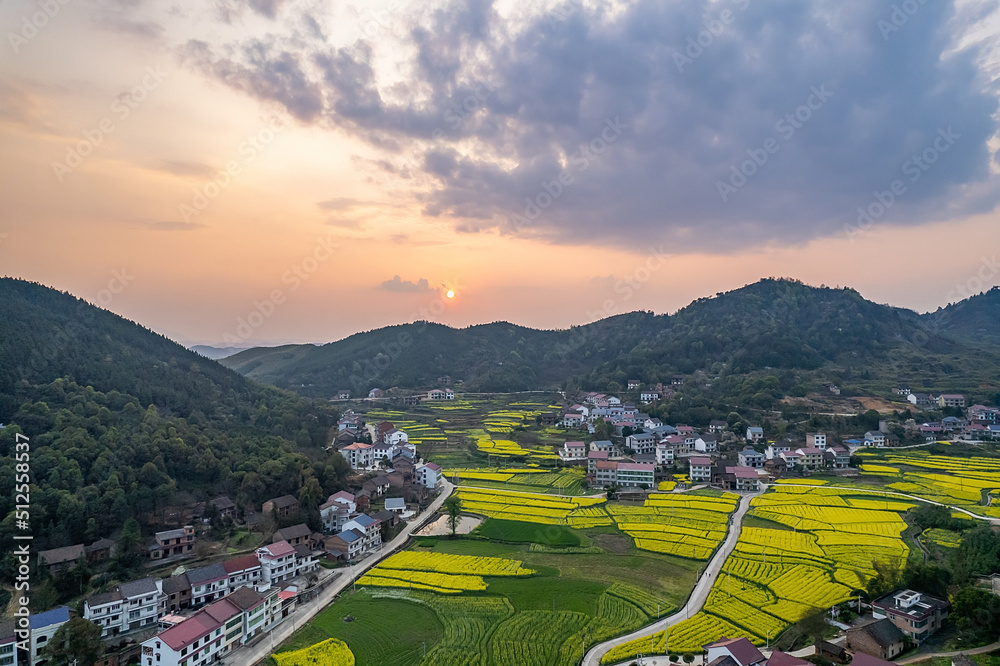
{"x":779,"y":658}
{"x":863,"y":659}
{"x":280,"y":549}
{"x":181,"y":635}
{"x":742,"y":650}
{"x":241,"y":563}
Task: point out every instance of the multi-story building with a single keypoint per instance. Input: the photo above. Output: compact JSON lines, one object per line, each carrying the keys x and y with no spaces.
{"x":337,"y":510}
{"x":359,"y":455}
{"x":43,"y":627}
{"x":700,"y":469}
{"x":837,"y":457}
{"x":665,"y":454}
{"x":573,"y":451}
{"x":277,"y":562}
{"x":755,"y":434}
{"x":440,"y":394}
{"x":816,"y":440}
{"x":8,"y":644}
{"x":951,"y":400}
{"x":370,"y":530}
{"x":611,"y":472}
{"x":811,"y":457}
{"x":172,"y":543}
{"x":594,"y":457}
{"x":875,"y":438}
{"x":211,"y":633}
{"x":429,"y":475}
{"x":983,"y":414}
{"x":642,"y":443}
{"x":129,"y":606}
{"x":749,"y":457}
{"x":916,"y":615}
{"x":208,"y":583}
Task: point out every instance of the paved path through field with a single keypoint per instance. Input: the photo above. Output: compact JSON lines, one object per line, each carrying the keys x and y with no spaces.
{"x":305,"y":612}
{"x":698,"y":596}
{"x":930,"y":655}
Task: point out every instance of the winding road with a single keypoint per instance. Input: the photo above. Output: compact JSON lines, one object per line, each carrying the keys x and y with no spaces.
{"x":698,"y":596}
{"x":260,"y":650}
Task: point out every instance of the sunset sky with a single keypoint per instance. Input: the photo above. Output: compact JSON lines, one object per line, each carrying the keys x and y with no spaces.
{"x":338,"y":166}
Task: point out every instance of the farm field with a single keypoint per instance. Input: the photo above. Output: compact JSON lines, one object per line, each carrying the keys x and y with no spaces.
{"x":578,"y":512}
{"x":540,"y":603}
{"x":775,"y":577}
{"x":951,"y":480}
{"x":561,"y":481}
{"x":687,"y":525}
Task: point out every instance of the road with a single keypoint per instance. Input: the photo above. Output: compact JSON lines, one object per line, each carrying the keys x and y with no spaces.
{"x":698,"y":596}
{"x":305,"y":612}
{"x":931,"y":655}
{"x":992,"y":521}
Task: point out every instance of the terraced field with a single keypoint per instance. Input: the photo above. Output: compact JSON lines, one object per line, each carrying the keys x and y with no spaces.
{"x":775,"y":577}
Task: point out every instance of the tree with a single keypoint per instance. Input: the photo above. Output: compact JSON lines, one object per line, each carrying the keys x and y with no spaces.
{"x":127,"y":555}
{"x":453,"y":505}
{"x":78,"y":641}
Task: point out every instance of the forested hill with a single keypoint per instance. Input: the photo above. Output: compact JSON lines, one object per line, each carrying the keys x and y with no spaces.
{"x":771,"y":324}
{"x":124,"y":422}
{"x":975,"y":320}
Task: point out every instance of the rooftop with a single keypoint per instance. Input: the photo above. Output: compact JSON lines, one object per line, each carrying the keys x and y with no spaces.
{"x":49,"y":618}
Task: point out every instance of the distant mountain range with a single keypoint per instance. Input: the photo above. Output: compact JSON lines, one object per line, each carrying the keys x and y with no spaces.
{"x":215,"y":353}
{"x":771,"y":324}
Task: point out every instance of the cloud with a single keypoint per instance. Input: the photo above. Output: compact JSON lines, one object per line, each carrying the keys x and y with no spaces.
{"x":396,"y":284}
{"x":643,"y":111}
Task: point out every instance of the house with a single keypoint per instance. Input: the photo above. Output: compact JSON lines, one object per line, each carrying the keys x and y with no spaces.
{"x":350,"y":421}
{"x":903,"y":391}
{"x":738,"y":478}
{"x":573,"y":451}
{"x":644,"y":442}
{"x":376,"y":393}
{"x":429,"y":475}
{"x":242,"y":571}
{"x":347,"y":543}
{"x":755,"y":434}
{"x":775,"y":467}
{"x":633,"y":384}
{"x":176,"y":593}
{"x":369,"y":528}
{"x":832,"y":652}
{"x":862,"y":659}
{"x":127,"y":607}
{"x":665,"y":454}
{"x":791,"y":458}
{"x":706,"y":444}
{"x":647,"y":397}
{"x":677,"y":380}
{"x":880,"y":638}
{"x":395,"y":505}
{"x":811,"y":457}
{"x":630,"y":474}
{"x":718,"y":427}
{"x":916,"y":615}
{"x":602,"y":445}
{"x":922,"y":400}
{"x":875,"y":438}
{"x":740,"y":650}
{"x":837,"y":457}
{"x":277,"y":562}
{"x":411,"y":400}
{"x":8,"y":643}
{"x":68,"y":556}
{"x":43,"y":627}
{"x":816,"y":440}
{"x":572,"y":420}
{"x":700,"y":469}
{"x":172,"y":543}
{"x":548,"y":418}
{"x":214,"y":631}
{"x":951,"y":400}
{"x":748,"y":457}
{"x":360,"y":455}
{"x":294,"y":535}
{"x":343,"y":394}
{"x":593,"y":457}
{"x":983,"y":415}
{"x":282,"y":507}
{"x":337,"y":510}
{"x":441,"y":394}
{"x":208,"y":583}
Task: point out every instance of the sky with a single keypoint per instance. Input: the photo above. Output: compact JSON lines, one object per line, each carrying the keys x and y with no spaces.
{"x":270,"y":171}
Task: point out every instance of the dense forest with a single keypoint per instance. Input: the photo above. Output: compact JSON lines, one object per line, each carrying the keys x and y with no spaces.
{"x":773,"y":327}
{"x":124,"y":422}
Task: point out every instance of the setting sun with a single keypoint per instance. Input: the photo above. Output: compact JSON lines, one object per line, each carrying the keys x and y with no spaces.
{"x":450,"y":293}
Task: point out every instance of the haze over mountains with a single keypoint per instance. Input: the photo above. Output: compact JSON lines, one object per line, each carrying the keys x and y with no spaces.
{"x":774,"y":323}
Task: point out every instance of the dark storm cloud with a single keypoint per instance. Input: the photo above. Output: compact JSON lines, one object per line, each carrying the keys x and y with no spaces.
{"x":618,"y":125}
